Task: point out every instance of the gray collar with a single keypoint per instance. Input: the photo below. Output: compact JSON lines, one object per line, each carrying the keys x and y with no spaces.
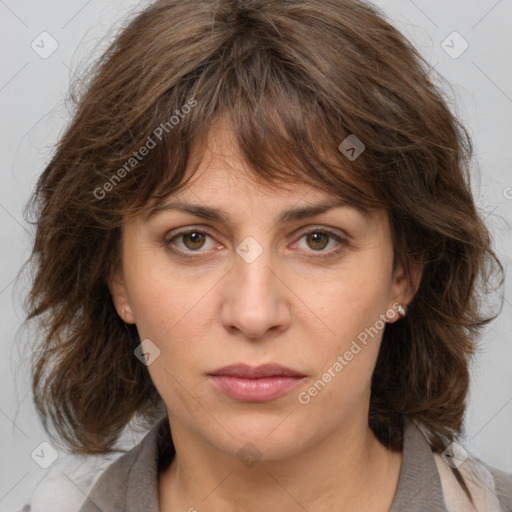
{"x":419,"y":486}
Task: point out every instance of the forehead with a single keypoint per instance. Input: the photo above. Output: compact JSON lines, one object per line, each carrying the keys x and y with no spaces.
{"x":220,"y":170}
{"x":224,"y":183}
{"x":219,"y":204}
{"x":231,"y":168}
{"x":227,"y":179}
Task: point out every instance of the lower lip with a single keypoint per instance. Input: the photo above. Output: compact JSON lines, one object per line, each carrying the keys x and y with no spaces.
{"x":254,"y":390}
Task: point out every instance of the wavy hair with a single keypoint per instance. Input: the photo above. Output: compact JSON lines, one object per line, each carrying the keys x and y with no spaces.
{"x":296,"y":78}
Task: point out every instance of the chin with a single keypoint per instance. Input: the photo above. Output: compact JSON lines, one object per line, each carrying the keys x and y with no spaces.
{"x":268,"y":438}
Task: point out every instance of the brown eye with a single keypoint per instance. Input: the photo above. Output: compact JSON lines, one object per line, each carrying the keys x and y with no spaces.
{"x":185,"y":243}
{"x":317,"y":240}
{"x":193,"y":240}
{"x":322,"y":243}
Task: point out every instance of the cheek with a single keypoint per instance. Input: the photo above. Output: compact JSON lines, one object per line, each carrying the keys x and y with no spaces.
{"x":160,"y":296}
{"x":174,"y":310}
{"x":351,"y":305}
{"x":353,"y":298}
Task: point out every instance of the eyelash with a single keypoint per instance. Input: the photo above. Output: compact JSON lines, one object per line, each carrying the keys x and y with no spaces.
{"x":323,"y":231}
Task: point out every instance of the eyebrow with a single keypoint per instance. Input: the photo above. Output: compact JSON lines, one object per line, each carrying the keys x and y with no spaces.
{"x":214,"y":214}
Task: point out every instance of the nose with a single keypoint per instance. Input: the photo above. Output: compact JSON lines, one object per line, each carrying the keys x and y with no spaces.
{"x":255,"y":297}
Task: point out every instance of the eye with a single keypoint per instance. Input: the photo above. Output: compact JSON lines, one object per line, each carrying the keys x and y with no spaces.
{"x":194,"y":239}
{"x":318,"y":239}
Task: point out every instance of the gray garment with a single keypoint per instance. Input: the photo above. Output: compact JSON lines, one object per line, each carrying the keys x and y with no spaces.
{"x":503,"y":486}
{"x":130,"y":484}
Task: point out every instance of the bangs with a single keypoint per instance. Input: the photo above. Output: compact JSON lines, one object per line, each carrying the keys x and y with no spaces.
{"x":282,"y":129}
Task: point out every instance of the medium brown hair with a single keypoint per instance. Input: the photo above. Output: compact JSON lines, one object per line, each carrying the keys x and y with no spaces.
{"x":295,"y":78}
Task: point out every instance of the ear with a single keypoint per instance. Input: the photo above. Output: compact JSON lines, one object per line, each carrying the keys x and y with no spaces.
{"x":406,"y":281}
{"x":117,"y":287}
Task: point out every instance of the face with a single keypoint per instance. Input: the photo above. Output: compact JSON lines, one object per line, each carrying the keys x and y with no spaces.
{"x":308,"y":293}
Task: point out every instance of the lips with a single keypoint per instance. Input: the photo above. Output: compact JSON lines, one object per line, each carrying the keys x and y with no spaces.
{"x":255,"y":384}
{"x":249,"y":372}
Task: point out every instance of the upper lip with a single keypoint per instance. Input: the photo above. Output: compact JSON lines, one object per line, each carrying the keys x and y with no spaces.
{"x":264,"y":370}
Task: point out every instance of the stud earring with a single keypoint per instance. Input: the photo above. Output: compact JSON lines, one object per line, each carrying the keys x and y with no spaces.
{"x":401,"y":310}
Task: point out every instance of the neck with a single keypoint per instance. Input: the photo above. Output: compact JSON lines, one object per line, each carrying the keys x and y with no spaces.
{"x":349,"y":470}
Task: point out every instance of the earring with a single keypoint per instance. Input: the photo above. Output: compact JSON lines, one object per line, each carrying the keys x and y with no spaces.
{"x":401,"y":310}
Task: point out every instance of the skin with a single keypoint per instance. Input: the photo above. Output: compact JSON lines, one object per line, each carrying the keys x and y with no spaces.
{"x":288,"y":306}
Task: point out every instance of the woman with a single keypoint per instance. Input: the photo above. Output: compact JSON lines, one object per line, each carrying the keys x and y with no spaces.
{"x":257,"y":234}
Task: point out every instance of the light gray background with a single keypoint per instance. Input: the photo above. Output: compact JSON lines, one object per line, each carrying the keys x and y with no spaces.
{"x":32,"y":92}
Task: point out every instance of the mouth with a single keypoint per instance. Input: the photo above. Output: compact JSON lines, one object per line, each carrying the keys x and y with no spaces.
{"x":255,"y":384}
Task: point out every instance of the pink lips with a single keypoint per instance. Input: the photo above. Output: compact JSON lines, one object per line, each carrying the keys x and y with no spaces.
{"x":259,"y":384}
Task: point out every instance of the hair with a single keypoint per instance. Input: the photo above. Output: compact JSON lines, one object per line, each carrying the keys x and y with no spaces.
{"x":295,"y":79}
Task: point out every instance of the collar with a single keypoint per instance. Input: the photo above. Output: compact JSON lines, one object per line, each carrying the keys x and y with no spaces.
{"x":419,"y":485}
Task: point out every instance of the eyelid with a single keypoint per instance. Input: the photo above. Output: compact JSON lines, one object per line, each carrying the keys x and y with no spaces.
{"x":184,"y":231}
{"x":301,"y":231}
{"x":336,"y":232}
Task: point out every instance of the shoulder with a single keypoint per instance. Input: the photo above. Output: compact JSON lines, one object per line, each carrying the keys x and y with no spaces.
{"x":109,"y":490}
{"x":132,"y":480}
{"x":66,"y":484}
{"x":79,"y":484}
{"x":503,"y":485}
{"x":490,"y":488}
